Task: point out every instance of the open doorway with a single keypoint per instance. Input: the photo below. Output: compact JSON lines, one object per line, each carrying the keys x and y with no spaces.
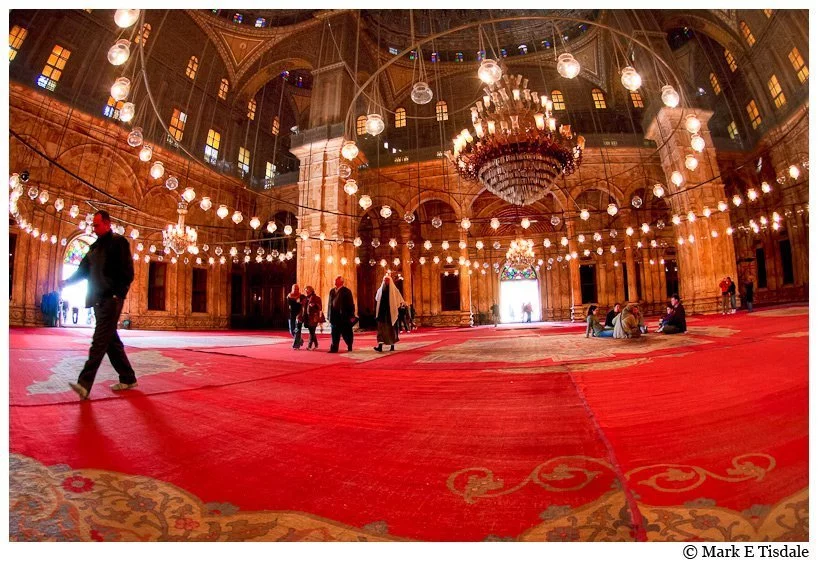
{"x":75,"y":313}
{"x":519,"y":288}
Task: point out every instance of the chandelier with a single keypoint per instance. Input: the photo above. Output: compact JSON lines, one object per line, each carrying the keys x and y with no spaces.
{"x":180,"y":237}
{"x":516,"y":150}
{"x":520,"y":253}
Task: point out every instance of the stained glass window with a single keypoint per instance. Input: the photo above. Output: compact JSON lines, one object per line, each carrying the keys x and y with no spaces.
{"x":510,"y":273}
{"x":77,"y":249}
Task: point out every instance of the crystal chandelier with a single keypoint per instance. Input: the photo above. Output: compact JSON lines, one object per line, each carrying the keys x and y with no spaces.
{"x":520,"y":253}
{"x":516,"y":151}
{"x":180,"y":237}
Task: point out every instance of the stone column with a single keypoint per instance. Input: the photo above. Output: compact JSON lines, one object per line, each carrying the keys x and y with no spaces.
{"x":406,"y":262}
{"x":573,"y":268}
{"x":466,"y":310}
{"x":704,"y":261}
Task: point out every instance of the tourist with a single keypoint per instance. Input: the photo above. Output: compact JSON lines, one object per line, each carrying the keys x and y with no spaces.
{"x":725,"y":295}
{"x":412,"y":317}
{"x":527,"y":309}
{"x":341,"y":315}
{"x":748,"y":292}
{"x":387,"y":299}
{"x":403,"y":318}
{"x":665,"y":318}
{"x":312,"y":314}
{"x":594,"y":327}
{"x":628,"y":324}
{"x":294,"y":304}
{"x":495,"y":313}
{"x":108,"y":268}
{"x":677,"y":322}
{"x":611,"y":315}
{"x":731,"y":290}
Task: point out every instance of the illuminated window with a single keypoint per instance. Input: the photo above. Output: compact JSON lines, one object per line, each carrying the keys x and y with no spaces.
{"x":599,"y":99}
{"x":112,"y":108}
{"x":636,"y":99}
{"x":714,"y":82}
{"x":458,"y":57}
{"x":442,"y":111}
{"x":214,"y":139}
{"x":400,"y":117}
{"x":732,"y":130}
{"x":360,"y":125}
{"x":261,"y":22}
{"x":798,"y":64}
{"x":224,"y":87}
{"x":748,"y":35}
{"x":143,"y":36}
{"x":776,"y":92}
{"x":393,"y":51}
{"x":244,"y":161}
{"x":769,"y":13}
{"x":16,"y":37}
{"x":177,"y":124}
{"x":192,"y":67}
{"x":558,"y":99}
{"x":53,"y":68}
{"x":755,"y":117}
{"x":237,"y":18}
{"x":276,"y":125}
{"x":731,"y":61}
{"x":251,"y":109}
{"x":269,"y":174}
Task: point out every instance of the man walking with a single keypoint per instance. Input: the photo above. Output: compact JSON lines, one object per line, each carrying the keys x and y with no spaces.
{"x":108,"y":267}
{"x":341,"y":314}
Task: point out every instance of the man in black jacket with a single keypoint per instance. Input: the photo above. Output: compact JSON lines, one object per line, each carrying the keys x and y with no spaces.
{"x":612,"y":314}
{"x":108,"y":267}
{"x":677,"y":322}
{"x":341,"y":314}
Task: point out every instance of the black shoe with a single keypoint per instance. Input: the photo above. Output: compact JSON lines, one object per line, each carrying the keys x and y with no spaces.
{"x":332,"y":351}
{"x":378,"y":348}
{"x":391,"y":348}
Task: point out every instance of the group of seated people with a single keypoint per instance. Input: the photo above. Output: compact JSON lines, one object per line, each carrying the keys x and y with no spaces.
{"x":627,"y":322}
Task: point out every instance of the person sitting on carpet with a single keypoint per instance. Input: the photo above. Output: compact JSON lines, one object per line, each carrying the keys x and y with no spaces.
{"x":676,"y":323}
{"x":387,"y":300}
{"x":665,"y":318}
{"x":312,"y":315}
{"x":594,"y":327}
{"x":628,"y":323}
{"x":611,"y":315}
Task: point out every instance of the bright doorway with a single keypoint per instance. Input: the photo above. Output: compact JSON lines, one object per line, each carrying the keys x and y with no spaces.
{"x":74,"y":295}
{"x":517,"y":289}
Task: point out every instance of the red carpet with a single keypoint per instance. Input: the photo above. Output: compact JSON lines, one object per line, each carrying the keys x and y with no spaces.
{"x":533,"y":434}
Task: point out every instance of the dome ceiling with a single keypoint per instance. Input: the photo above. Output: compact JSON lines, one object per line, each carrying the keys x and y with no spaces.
{"x":393,"y":26}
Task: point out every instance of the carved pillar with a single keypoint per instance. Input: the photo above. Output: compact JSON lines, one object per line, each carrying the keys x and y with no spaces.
{"x":704,"y":260}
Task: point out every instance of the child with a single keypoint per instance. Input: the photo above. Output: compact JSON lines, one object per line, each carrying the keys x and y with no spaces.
{"x":665,"y":318}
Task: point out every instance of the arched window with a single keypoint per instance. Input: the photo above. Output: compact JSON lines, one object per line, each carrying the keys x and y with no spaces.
{"x":775,"y":91}
{"x":251,"y":109}
{"x":211,"y":152}
{"x":54,"y":67}
{"x":224,"y":87}
{"x":276,"y":125}
{"x":261,"y":22}
{"x":558,"y":99}
{"x":142,"y":37}
{"x":753,"y":113}
{"x":636,"y":100}
{"x":177,"y":124}
{"x":442,"y":111}
{"x":798,"y":64}
{"x":599,"y":99}
{"x":731,"y":61}
{"x":748,"y":35}
{"x":16,"y":37}
{"x":400,"y":117}
{"x":360,"y":125}
{"x":192,"y":67}
{"x":714,"y":82}
{"x":113,"y":107}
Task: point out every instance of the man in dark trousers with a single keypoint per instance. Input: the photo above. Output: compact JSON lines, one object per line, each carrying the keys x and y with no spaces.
{"x":108,"y":267}
{"x":341,"y":314}
{"x":748,"y":292}
{"x":677,"y":321}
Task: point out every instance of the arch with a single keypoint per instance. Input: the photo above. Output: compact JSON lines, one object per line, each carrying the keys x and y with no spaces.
{"x":400,"y":117}
{"x":270,"y":71}
{"x":558,"y":99}
{"x":598,"y":98}
{"x":441,"y":111}
{"x":602,"y":185}
{"x":425,"y":196}
{"x":360,"y":125}
{"x":128,"y":187}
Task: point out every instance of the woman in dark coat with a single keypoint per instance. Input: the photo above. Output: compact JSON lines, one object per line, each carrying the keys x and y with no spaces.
{"x":295,"y":301}
{"x":312,"y":313}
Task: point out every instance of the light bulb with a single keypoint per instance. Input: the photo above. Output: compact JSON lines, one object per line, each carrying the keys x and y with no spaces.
{"x":43,"y":197}
{"x":629,"y":231}
{"x":255,"y":223}
{"x":658,"y":190}
{"x":288,"y":229}
{"x":697,"y":142}
{"x":386,"y":211}
{"x":271,"y":226}
{"x":525,"y":223}
{"x":126,"y":18}
{"x":222,"y":211}
{"x":752,"y":194}
{"x":205,"y":203}
{"x":157,"y":170}
{"x":567,"y":66}
{"x":59,"y":204}
{"x":737,"y":200}
{"x":421,"y":93}
{"x":722,"y":206}
{"x":765,"y":187}
{"x":706,"y":212}
{"x":171,"y":183}
{"x":74,"y":211}
{"x":670,"y":97}
{"x":676,"y":219}
{"x":636,"y":201}
{"x":645,"y":228}
{"x":135,"y":138}
{"x":479,"y":245}
{"x":631,"y":79}
{"x":365,"y":201}
{"x":489,"y":71}
{"x":349,"y":150}
{"x":409,"y":217}
{"x":237,"y":216}
{"x":677,"y":178}
{"x":127,"y":112}
{"x":495,"y":223}
{"x":350,"y":186}
{"x":612,"y":209}
{"x":691,"y":216}
{"x":584,"y":214}
{"x":437,"y":222}
{"x":581,"y":238}
{"x":374,"y":124}
{"x":145,"y":153}
{"x":120,"y":89}
{"x":692,"y":124}
{"x":465,"y":223}
{"x":119,"y":52}
{"x":189,"y":195}
{"x":691,"y":163}
{"x":305,"y":234}
{"x":795,"y":172}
